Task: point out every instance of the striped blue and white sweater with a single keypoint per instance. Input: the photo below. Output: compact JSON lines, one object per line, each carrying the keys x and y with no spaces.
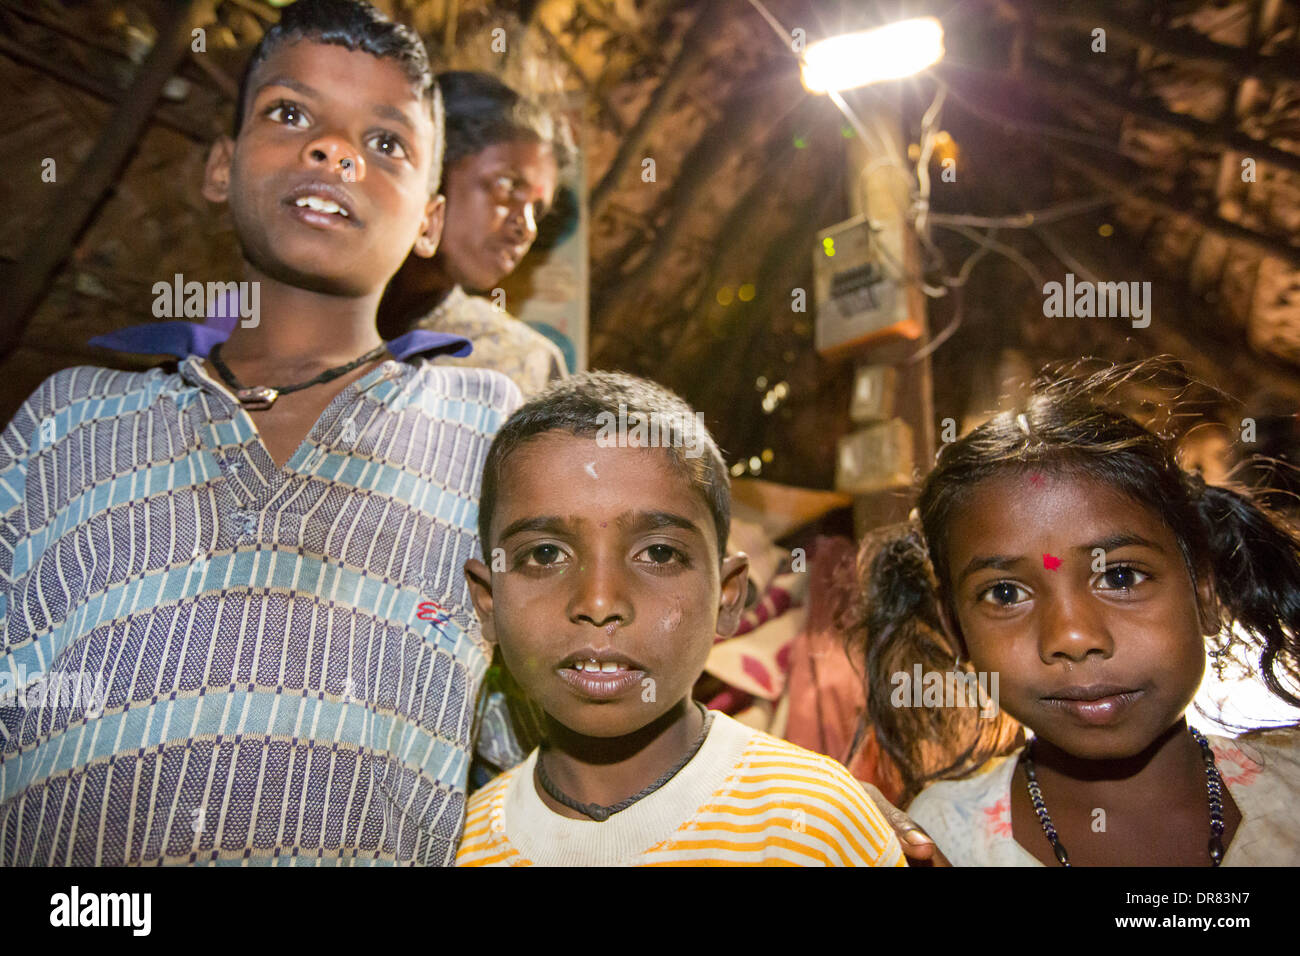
{"x":208,"y":659}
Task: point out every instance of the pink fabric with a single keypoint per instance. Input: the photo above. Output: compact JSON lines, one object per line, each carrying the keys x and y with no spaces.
{"x":776,"y":600}
{"x":825,"y":685}
{"x":813,"y":669}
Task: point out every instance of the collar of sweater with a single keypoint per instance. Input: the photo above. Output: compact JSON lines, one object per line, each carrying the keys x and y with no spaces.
{"x":547,"y":838}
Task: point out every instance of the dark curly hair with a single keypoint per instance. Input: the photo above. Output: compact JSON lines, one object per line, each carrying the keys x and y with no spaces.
{"x":482,"y":111}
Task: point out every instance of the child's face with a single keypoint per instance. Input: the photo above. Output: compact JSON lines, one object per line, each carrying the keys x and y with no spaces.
{"x":1099,"y":663}
{"x":495,"y":198}
{"x":610,"y":555}
{"x":350,"y":128}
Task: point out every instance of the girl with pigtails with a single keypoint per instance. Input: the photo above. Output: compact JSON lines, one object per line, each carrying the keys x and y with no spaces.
{"x":1061,"y":548}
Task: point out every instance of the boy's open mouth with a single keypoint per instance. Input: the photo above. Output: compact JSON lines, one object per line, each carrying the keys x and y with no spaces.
{"x":600,"y":674}
{"x":322,"y":204}
{"x":599,"y":667}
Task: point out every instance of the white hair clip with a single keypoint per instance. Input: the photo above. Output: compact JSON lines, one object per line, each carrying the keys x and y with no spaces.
{"x":1023,"y":422}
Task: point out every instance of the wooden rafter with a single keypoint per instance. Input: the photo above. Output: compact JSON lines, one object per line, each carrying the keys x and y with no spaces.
{"x":26,"y":52}
{"x":1114,"y":174}
{"x":1183,"y":43}
{"x":73,"y":206}
{"x":1076,"y":85}
{"x":698,"y":171}
{"x":679,"y":73}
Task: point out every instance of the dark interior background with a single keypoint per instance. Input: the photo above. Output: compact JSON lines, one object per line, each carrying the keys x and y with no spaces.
{"x":1147,"y":138}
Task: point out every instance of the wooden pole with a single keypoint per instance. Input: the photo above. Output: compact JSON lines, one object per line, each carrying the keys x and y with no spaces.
{"x":167,"y":114}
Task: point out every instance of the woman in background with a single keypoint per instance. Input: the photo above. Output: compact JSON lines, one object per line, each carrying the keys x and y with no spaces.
{"x":502,"y":164}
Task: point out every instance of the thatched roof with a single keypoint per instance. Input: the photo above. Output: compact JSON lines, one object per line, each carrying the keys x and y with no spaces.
{"x":747,"y":168}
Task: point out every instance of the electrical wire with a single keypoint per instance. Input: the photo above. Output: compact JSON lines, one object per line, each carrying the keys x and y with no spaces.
{"x":1057,"y":248}
{"x":929,"y":122}
{"x":772,"y":21}
{"x":967,"y":267}
{"x":1027,"y":220}
{"x":959,"y":313}
{"x":1056,"y":132}
{"x":1009,"y":252}
{"x":918,"y":213}
{"x":959,"y":298}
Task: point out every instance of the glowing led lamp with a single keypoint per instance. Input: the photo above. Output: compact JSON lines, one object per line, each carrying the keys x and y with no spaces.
{"x":890,"y":52}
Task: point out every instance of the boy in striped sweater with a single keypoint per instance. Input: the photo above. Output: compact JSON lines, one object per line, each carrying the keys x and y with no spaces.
{"x":605,"y":510}
{"x":233,"y":627}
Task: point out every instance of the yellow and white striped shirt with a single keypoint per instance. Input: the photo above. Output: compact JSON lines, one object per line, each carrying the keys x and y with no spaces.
{"x":745,"y":799}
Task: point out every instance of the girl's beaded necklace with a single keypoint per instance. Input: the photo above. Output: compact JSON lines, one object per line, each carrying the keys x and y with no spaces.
{"x":1214,"y":785}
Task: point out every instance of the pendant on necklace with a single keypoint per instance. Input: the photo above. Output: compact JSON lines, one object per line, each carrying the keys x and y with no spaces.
{"x":258,"y":398}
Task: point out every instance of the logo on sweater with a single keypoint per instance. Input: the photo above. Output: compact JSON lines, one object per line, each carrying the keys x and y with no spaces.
{"x":432,"y":611}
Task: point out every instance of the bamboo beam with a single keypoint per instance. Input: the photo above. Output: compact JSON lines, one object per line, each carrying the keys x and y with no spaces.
{"x":779,"y":269}
{"x":1198,"y":338}
{"x":744,"y":221}
{"x":729,"y":366}
{"x":683,"y":70}
{"x":166,"y":114}
{"x":1076,"y":85}
{"x":1124,"y":185}
{"x":698,"y":170}
{"x":603,"y":105}
{"x":73,"y":207}
{"x":56,"y":26}
{"x":1125,"y":181}
{"x":1184,"y":43}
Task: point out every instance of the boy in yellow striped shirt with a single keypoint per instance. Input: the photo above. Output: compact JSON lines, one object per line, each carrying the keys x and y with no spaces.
{"x":604,"y":513}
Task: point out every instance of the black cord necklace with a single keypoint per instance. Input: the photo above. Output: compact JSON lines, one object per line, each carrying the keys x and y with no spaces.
{"x":260,"y":397}
{"x":1214,"y":785}
{"x":601,"y":814}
